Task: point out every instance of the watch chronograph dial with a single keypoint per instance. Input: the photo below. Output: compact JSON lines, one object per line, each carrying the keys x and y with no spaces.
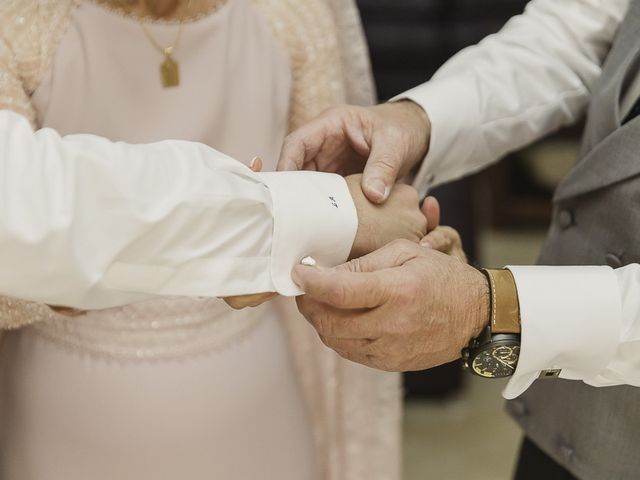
{"x":497,"y":361}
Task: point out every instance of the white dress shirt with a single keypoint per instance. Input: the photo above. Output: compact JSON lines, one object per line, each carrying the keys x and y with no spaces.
{"x":532,"y":77}
{"x":92,"y":224}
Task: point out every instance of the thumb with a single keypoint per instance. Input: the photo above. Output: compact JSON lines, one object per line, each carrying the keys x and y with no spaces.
{"x":381,"y":170}
{"x":431,"y":209}
{"x":340,"y":288}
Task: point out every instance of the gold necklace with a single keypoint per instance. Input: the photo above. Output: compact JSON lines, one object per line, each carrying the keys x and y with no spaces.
{"x":169,"y":68}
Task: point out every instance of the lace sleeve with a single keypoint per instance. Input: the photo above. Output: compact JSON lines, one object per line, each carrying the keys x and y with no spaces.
{"x":308,"y":31}
{"x":29,"y":34}
{"x":12,"y":93}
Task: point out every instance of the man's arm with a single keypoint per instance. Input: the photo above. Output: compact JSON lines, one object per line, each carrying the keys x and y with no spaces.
{"x":88,"y":223}
{"x":516,"y":86}
{"x":530,"y":78}
{"x":583,"y":321}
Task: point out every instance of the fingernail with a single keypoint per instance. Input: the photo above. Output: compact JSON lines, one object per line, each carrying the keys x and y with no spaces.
{"x":253,"y":162}
{"x":378,"y":187}
{"x":425,"y":243}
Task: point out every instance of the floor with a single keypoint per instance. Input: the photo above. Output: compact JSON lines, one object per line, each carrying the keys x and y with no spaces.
{"x":466,"y":438}
{"x":469,"y":437}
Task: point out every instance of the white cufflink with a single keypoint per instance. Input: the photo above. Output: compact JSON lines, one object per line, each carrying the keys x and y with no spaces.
{"x":308,"y":261}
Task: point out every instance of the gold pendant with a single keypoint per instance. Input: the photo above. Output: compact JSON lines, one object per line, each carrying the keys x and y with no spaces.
{"x":170,"y":72}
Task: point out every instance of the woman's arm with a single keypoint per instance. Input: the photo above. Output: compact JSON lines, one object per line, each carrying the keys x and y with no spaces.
{"x":92,"y":224}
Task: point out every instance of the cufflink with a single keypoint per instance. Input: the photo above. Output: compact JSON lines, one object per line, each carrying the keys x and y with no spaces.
{"x":308,"y":262}
{"x":550,"y":373}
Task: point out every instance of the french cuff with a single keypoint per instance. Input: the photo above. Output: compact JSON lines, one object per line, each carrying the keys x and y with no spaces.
{"x":571,"y":320}
{"x":314,"y":215}
{"x":453,"y":111}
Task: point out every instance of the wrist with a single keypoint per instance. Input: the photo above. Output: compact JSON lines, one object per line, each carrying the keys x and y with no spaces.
{"x":421,"y":128}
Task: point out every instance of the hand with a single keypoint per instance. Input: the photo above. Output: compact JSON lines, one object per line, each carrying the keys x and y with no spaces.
{"x":399,"y":217}
{"x":403,"y":307}
{"x":443,"y":239}
{"x":243,"y":301}
{"x":446,"y":240}
{"x":385,"y":141}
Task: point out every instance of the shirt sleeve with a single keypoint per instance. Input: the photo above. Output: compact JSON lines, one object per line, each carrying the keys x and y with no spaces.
{"x":529,"y":79}
{"x":582,"y":321}
{"x":91,"y":224}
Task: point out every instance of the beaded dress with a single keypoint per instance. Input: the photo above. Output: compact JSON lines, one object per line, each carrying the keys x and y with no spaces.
{"x":176,"y":387}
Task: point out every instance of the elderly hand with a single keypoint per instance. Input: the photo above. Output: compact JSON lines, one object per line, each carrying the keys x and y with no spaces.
{"x":399,"y":217}
{"x":403,"y":307}
{"x":385,"y":141}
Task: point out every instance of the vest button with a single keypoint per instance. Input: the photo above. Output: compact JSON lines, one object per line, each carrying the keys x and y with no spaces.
{"x":565,"y":219}
{"x":613,"y":260}
{"x":566,"y":451}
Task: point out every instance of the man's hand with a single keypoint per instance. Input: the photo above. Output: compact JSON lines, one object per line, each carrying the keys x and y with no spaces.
{"x":399,"y":217}
{"x":403,"y":307}
{"x":385,"y":141}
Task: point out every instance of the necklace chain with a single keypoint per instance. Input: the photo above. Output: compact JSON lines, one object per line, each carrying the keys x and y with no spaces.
{"x":169,"y":69}
{"x":169,"y":49}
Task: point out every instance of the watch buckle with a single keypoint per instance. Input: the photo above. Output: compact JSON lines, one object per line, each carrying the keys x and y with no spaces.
{"x":552,"y":373}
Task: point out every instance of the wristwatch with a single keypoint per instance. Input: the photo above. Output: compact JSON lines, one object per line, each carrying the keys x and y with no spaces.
{"x":495,"y":352}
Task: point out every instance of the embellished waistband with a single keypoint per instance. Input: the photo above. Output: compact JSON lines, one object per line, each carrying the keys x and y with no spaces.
{"x":161,"y":328}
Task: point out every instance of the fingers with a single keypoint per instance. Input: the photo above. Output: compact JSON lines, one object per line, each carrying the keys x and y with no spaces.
{"x":393,"y":254}
{"x":333,"y":143}
{"x":302,"y":146}
{"x":332,"y":323}
{"x":244,"y":301}
{"x":256,"y":164}
{"x":431,"y":210}
{"x":67,"y":311}
{"x":292,"y":155}
{"x":382,"y":168}
{"x":341,"y":288}
{"x":446,"y":240}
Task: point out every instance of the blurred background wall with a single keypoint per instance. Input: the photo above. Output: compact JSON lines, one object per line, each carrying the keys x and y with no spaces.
{"x":454,"y":424}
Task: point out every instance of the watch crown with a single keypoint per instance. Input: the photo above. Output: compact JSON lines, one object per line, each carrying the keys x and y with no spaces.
{"x":465,"y":356}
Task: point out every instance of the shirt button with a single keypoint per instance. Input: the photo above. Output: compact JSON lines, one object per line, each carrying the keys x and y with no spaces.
{"x":565,"y":219}
{"x":613,"y":260}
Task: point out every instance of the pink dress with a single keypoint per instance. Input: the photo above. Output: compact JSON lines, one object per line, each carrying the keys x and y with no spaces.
{"x":170,"y":388}
{"x":185,"y":388}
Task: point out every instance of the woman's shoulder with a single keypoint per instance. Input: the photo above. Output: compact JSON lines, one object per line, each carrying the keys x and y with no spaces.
{"x":30,"y":31}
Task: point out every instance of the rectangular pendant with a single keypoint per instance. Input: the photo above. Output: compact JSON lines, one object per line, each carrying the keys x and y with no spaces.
{"x":170,"y":73}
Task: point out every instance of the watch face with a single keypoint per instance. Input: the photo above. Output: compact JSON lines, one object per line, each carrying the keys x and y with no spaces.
{"x":496,"y":361}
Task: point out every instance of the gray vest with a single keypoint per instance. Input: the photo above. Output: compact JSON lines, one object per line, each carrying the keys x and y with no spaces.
{"x":595,"y":432}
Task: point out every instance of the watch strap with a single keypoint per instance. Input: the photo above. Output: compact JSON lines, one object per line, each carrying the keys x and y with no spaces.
{"x":505,"y":308}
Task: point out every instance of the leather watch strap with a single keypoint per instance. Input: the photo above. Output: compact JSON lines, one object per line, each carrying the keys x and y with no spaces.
{"x":505,"y":308}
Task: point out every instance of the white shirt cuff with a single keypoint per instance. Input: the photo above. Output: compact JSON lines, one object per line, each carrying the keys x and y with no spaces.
{"x":571,"y":320}
{"x":314,"y":215}
{"x":453,"y":111}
